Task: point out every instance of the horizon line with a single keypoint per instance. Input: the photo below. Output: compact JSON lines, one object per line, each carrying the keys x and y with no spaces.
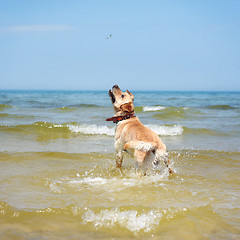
{"x":102,"y":90}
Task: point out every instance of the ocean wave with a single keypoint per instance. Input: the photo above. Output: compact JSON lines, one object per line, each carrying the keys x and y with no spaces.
{"x":64,"y":129}
{"x":220,"y":107}
{"x":65,"y":109}
{"x":162,"y":130}
{"x":203,"y":131}
{"x":4,"y":106}
{"x":153,"y":108}
{"x":176,"y":112}
{"x":131,"y":220}
{"x":75,"y":107}
{"x":164,"y":112}
{"x":137,"y":219}
{"x":85,"y":129}
{"x":91,"y":129}
{"x":145,"y":220}
{"x":99,"y":130}
{"x":84,"y":105}
{"x":14,"y":116}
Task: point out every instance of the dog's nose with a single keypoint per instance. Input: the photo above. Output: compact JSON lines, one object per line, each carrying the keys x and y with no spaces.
{"x":115,"y":86}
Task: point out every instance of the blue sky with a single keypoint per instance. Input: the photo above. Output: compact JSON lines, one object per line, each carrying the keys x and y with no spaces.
{"x":155,"y":44}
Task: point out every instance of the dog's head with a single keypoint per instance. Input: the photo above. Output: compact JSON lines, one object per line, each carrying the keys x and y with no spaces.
{"x":122,"y":101}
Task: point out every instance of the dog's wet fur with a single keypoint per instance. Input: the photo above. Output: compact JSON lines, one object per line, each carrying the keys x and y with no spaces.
{"x":133,"y":137}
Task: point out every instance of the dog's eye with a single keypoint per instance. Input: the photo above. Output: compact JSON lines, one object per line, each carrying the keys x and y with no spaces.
{"x":122,"y":96}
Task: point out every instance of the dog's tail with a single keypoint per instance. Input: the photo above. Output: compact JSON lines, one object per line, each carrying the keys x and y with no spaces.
{"x":141,"y":146}
{"x":160,"y":154}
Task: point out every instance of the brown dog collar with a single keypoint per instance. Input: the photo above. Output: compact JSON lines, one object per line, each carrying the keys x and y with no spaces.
{"x":120,"y":118}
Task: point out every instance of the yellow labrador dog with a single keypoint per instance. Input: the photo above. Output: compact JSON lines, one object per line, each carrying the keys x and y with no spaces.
{"x":132,"y":136}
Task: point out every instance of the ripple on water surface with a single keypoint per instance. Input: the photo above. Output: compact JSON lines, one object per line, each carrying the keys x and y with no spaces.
{"x":84,"y":193}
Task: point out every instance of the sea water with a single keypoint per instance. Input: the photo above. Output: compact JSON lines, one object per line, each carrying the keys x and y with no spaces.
{"x":59,"y":181}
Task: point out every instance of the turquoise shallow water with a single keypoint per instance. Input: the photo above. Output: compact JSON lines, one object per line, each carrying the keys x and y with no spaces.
{"x":58,"y":178}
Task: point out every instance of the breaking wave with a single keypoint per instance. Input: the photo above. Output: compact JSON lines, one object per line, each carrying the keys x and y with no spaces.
{"x":91,"y":129}
{"x":134,"y":219}
{"x":172,"y":130}
{"x":129,"y":219}
{"x":153,"y":108}
{"x":95,"y":130}
{"x":64,"y":129}
{"x":171,"y":112}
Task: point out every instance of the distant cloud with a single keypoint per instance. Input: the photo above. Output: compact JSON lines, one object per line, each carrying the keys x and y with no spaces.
{"x":40,"y":28}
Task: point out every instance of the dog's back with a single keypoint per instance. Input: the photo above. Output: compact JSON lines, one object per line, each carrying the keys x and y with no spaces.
{"x":142,"y":143}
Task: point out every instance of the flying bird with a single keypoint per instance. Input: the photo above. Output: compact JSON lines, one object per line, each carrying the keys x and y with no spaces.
{"x":109,"y":36}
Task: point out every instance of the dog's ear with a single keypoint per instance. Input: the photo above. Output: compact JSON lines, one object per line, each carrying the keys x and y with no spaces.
{"x":131,"y":95}
{"x":127,"y":107}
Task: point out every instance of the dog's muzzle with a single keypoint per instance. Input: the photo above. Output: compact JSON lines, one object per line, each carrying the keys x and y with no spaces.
{"x":111,"y":95}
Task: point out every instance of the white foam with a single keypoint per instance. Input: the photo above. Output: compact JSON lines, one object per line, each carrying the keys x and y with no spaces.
{"x":112,"y":184}
{"x":97,"y":181}
{"x":130,"y":219}
{"x":108,"y":184}
{"x":92,"y":129}
{"x":162,"y":130}
{"x":153,"y":108}
{"x":133,"y":220}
